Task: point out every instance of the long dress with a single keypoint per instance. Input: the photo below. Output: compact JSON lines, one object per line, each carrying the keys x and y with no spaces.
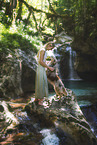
{"x":41,"y":84}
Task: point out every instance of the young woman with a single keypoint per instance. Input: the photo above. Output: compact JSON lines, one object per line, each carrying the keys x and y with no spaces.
{"x":41,"y":84}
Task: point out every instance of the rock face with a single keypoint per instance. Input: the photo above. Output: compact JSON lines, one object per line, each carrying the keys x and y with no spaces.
{"x":17,"y":74}
{"x":10,"y":77}
{"x":63,"y":112}
{"x":86,"y":59}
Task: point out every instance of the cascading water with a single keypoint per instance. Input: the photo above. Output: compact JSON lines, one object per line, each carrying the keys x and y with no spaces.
{"x":49,"y":139}
{"x":72,"y":73}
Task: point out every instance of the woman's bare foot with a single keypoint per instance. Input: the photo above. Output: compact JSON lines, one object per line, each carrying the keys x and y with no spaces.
{"x":39,"y":101}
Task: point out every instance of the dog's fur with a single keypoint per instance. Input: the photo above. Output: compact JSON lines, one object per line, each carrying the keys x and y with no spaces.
{"x":55,"y":80}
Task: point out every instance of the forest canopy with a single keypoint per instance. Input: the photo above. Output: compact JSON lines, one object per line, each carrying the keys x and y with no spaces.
{"x":70,"y":15}
{"x":49,"y":17}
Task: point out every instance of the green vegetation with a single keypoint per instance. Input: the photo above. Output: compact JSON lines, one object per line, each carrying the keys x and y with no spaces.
{"x":24,"y":23}
{"x":14,"y":38}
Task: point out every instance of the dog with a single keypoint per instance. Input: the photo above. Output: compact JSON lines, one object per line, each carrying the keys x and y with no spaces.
{"x":55,"y":80}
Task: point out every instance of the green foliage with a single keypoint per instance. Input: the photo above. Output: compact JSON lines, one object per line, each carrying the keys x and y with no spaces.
{"x":14,"y":38}
{"x":75,"y":17}
{"x":15,"y":41}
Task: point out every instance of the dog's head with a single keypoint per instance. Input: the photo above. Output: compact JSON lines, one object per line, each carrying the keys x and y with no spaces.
{"x":52,"y":75}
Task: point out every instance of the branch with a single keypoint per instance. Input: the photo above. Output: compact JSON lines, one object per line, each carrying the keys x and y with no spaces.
{"x":31,"y":10}
{"x":49,"y":15}
{"x":51,"y":8}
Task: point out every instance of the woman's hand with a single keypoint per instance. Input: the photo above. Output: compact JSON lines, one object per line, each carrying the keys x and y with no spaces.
{"x":51,"y":68}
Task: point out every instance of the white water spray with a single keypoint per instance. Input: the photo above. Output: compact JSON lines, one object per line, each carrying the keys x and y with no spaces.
{"x":49,"y":139}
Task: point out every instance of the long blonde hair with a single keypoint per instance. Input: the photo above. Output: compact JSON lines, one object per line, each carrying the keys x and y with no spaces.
{"x":50,"y":42}
{"x":45,"y":46}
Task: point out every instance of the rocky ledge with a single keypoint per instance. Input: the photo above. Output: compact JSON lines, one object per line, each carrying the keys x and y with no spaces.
{"x":64,"y":114}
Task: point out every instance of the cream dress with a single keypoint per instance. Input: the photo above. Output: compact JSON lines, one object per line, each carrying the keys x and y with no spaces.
{"x":41,"y":84}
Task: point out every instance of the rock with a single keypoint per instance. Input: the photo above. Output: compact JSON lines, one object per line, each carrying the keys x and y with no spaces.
{"x":63,"y":112}
{"x":28,"y":79}
{"x":10,"y":80}
{"x":5,"y":114}
{"x":65,"y":115}
{"x":17,"y":73}
{"x":62,"y":37}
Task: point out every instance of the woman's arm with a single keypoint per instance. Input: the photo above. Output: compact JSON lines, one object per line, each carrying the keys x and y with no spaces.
{"x":41,"y":62}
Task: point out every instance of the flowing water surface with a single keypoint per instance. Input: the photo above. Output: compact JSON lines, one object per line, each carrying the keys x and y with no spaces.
{"x":84,"y":90}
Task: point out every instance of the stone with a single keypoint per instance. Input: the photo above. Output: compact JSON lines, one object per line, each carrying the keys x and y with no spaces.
{"x":63,"y":112}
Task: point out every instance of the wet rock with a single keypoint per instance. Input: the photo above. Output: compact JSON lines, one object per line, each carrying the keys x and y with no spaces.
{"x":90,"y":113}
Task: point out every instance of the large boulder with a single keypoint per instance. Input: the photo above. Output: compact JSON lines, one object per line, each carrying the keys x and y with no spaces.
{"x":10,"y":77}
{"x":63,"y":112}
{"x":17,"y":73}
{"x":66,"y":116}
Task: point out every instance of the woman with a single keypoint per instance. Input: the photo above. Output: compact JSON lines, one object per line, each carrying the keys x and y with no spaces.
{"x":41,"y":84}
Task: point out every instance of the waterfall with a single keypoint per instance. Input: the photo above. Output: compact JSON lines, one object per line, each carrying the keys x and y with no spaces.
{"x":72,"y":73}
{"x":49,"y":138}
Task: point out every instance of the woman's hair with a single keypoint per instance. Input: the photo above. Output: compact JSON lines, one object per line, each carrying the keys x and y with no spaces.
{"x":50,"y":42}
